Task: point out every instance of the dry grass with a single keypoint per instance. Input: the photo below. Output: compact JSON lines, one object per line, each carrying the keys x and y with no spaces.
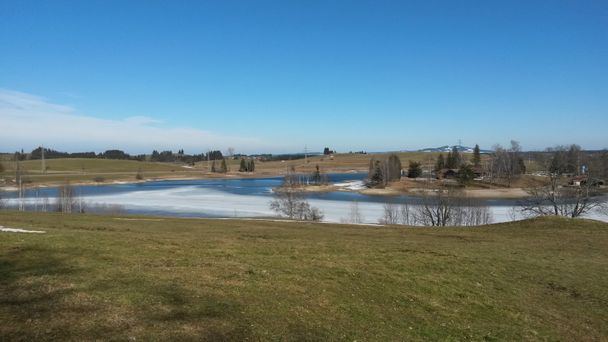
{"x":98,"y":277}
{"x":89,"y":170}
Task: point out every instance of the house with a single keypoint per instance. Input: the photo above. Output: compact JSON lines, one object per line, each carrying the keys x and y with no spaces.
{"x":447,"y":174}
{"x":454,"y":173}
{"x":478,"y":171}
{"x":582,"y":181}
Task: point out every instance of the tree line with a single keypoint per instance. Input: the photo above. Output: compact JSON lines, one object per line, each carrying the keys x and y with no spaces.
{"x":155,"y":156}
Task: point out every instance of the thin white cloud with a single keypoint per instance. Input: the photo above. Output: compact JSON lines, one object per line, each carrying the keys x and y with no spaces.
{"x":28,"y":121}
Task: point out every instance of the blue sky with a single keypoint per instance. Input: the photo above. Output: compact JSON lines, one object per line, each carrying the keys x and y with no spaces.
{"x":273,"y":76}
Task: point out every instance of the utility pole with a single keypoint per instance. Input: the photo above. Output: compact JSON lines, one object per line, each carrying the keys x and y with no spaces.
{"x":80,"y":211}
{"x":429,"y":167}
{"x":19,"y":182}
{"x":36,"y":201}
{"x":43,"y":164}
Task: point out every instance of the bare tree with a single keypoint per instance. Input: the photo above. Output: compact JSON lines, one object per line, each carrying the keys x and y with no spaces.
{"x":394,"y":213}
{"x":45,"y":203}
{"x":383,"y":171}
{"x":19,"y":182}
{"x":68,"y":201}
{"x":437,"y":209}
{"x":507,"y":164}
{"x":406,"y":216}
{"x":558,"y":198}
{"x":470,"y":212}
{"x":289,"y":202}
{"x":391,"y":214}
{"x":290,"y":180}
{"x":2,"y":201}
{"x":562,"y":200}
{"x":294,"y":206}
{"x":354,"y":214}
{"x":230,"y":152}
{"x":449,"y":207}
{"x":65,"y":199}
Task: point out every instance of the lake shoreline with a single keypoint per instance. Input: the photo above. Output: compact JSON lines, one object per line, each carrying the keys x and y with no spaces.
{"x":360,"y":188}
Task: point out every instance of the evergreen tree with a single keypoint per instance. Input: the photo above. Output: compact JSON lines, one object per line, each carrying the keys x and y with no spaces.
{"x":316,"y":175}
{"x":455,"y":157}
{"x":453,"y":160}
{"x":440,"y":164}
{"x":223,"y":167}
{"x":384,"y":170}
{"x":376,"y":176}
{"x":251,"y":167}
{"x":465,"y":175}
{"x":476,"y":156}
{"x":521,"y":165}
{"x":243,"y":167}
{"x":414,"y":170}
{"x":155,"y":155}
{"x":213,"y":169}
{"x":449,"y":161}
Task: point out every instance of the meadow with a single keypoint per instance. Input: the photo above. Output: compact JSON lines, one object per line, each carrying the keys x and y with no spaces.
{"x":82,"y":170}
{"x":154,"y":278}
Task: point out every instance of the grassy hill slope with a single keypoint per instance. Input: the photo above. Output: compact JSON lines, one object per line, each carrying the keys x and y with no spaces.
{"x":148,"y":278}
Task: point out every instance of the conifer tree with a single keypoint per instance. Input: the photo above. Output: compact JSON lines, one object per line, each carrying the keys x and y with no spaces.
{"x":455,"y":157}
{"x":414,"y":170}
{"x":376,"y":176}
{"x":316,"y":175}
{"x":449,"y":162}
{"x":476,"y":156}
{"x":440,"y":163}
{"x":223,"y":167}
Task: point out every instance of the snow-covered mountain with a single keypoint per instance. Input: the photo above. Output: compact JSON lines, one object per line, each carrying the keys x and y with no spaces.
{"x":448,"y":148}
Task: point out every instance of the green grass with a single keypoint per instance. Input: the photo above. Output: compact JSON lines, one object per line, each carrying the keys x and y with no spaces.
{"x":99,"y":277}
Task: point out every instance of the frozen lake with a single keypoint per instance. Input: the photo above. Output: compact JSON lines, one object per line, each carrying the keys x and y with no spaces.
{"x":237,"y":198}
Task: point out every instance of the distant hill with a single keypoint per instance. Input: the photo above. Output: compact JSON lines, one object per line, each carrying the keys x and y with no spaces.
{"x":448,"y":148}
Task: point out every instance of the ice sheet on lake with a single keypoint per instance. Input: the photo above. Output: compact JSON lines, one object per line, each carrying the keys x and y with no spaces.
{"x":204,"y":201}
{"x":223,"y":204}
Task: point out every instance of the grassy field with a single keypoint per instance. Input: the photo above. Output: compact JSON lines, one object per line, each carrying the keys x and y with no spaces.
{"x":90,"y":170}
{"x":93,"y":170}
{"x":129,"y":278}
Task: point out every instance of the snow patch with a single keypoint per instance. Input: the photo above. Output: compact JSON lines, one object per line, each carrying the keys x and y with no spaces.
{"x":351,"y":185}
{"x":17,"y":230}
